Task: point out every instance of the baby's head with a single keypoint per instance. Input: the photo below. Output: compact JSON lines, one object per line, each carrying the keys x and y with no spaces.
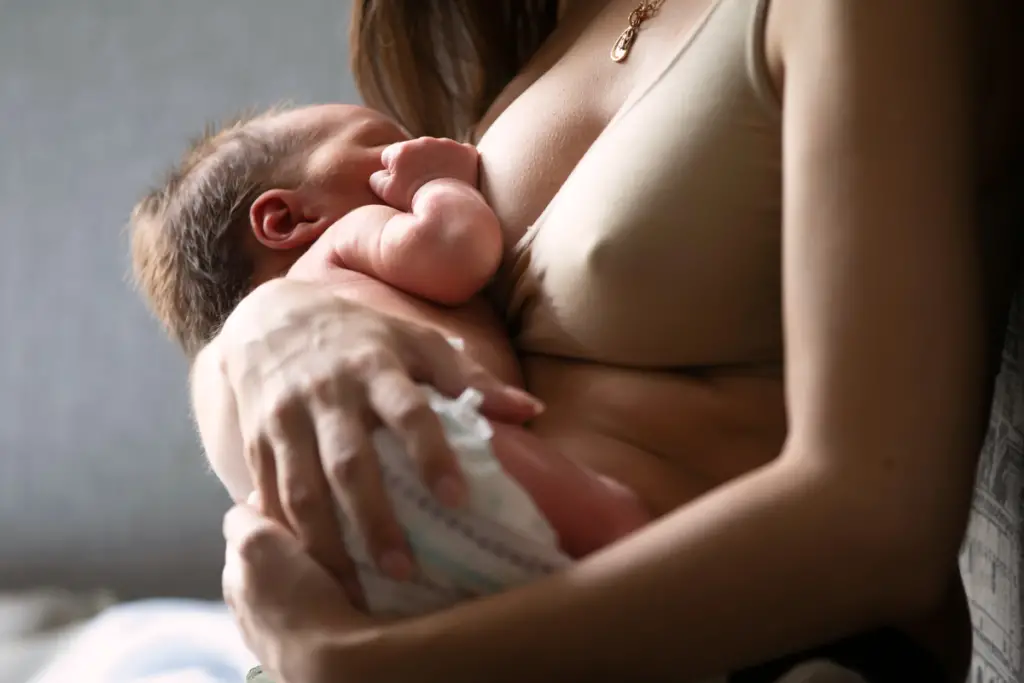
{"x":244,"y":203}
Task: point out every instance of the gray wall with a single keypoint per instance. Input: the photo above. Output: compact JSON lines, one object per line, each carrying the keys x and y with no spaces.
{"x":101,"y":479}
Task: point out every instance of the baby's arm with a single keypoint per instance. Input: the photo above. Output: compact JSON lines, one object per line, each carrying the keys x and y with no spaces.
{"x":438,"y":239}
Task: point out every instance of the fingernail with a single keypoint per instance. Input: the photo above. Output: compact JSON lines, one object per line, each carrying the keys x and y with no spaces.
{"x":449,"y":491}
{"x":519,"y":395}
{"x":379,"y":180}
{"x":397,"y":565}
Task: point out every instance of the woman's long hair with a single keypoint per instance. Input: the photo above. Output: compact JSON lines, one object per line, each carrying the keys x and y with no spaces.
{"x":437,"y":65}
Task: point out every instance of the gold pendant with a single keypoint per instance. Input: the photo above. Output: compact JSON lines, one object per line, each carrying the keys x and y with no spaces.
{"x":624,"y":44}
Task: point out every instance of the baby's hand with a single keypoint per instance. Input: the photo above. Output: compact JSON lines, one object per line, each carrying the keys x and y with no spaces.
{"x":411,"y":164}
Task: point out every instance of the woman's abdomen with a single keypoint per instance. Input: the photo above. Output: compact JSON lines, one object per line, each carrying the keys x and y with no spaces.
{"x":667,"y":436}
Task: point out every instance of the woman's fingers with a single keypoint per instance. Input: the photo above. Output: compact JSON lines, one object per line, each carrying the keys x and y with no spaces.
{"x":311,"y":410}
{"x":451,"y":372}
{"x":260,"y":459}
{"x":280,"y":597}
{"x":256,"y":554}
{"x":354,"y":476}
{"x":501,"y":402}
{"x":302,"y":494}
{"x":404,"y":408}
{"x":266,"y":566}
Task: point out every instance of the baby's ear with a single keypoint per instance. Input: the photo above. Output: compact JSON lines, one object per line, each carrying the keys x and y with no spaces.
{"x":278,"y":221}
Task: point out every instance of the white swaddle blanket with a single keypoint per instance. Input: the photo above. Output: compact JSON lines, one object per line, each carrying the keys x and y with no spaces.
{"x":499,"y":539}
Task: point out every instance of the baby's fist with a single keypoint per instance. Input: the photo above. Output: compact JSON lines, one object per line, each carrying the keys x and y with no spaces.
{"x":411,"y":164}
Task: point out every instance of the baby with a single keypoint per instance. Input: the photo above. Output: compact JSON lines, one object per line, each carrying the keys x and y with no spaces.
{"x":340,"y":195}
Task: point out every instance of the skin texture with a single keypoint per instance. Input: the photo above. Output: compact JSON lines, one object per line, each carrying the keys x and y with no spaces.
{"x":440,"y":241}
{"x":434,"y":245}
{"x":586,"y":511}
{"x":856,"y":523}
{"x":404,"y":211}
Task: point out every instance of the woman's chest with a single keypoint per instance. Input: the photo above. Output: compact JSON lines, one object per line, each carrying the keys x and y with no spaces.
{"x":653,"y":241}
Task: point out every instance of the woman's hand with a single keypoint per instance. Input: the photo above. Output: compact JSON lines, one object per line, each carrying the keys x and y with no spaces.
{"x":287,"y":606}
{"x":311,"y":376}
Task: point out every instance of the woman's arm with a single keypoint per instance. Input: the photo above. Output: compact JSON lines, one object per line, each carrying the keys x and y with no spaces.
{"x":858,"y":522}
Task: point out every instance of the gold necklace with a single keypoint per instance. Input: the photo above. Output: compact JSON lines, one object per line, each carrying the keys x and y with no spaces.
{"x":644,"y":11}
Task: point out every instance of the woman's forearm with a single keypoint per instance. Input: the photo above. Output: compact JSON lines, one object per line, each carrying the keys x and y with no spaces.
{"x":764,"y":565}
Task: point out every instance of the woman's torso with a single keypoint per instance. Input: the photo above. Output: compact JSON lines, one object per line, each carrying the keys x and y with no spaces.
{"x":642,"y":280}
{"x":642,"y":284}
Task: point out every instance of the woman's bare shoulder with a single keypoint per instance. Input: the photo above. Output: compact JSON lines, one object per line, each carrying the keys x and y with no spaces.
{"x":997,"y":55}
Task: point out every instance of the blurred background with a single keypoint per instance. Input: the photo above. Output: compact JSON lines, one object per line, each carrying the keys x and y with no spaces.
{"x":102,"y":482}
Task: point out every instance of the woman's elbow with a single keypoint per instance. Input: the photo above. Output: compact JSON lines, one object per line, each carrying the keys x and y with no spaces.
{"x":905,"y":532}
{"x":920,"y":561}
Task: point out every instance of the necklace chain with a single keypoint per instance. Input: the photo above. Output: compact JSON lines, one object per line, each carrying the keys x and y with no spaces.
{"x":641,"y":13}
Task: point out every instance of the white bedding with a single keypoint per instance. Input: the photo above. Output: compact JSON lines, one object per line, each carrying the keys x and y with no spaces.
{"x":183,"y":641}
{"x":35,"y":625}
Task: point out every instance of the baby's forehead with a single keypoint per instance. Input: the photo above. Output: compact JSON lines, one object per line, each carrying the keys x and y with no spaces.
{"x":329,"y":119}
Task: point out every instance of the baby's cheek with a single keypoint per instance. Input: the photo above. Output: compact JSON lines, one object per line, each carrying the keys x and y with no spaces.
{"x":586,"y":510}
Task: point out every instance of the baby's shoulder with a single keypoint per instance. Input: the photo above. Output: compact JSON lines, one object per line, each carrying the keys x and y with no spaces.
{"x":358,"y":288}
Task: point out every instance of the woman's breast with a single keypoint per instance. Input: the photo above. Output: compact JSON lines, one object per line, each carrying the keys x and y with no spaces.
{"x":662,"y":248}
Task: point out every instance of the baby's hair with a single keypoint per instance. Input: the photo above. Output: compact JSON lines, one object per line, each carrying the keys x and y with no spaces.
{"x":188,"y":234}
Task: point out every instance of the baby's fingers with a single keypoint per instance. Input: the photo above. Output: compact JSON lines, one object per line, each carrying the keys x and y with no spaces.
{"x":383,"y":185}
